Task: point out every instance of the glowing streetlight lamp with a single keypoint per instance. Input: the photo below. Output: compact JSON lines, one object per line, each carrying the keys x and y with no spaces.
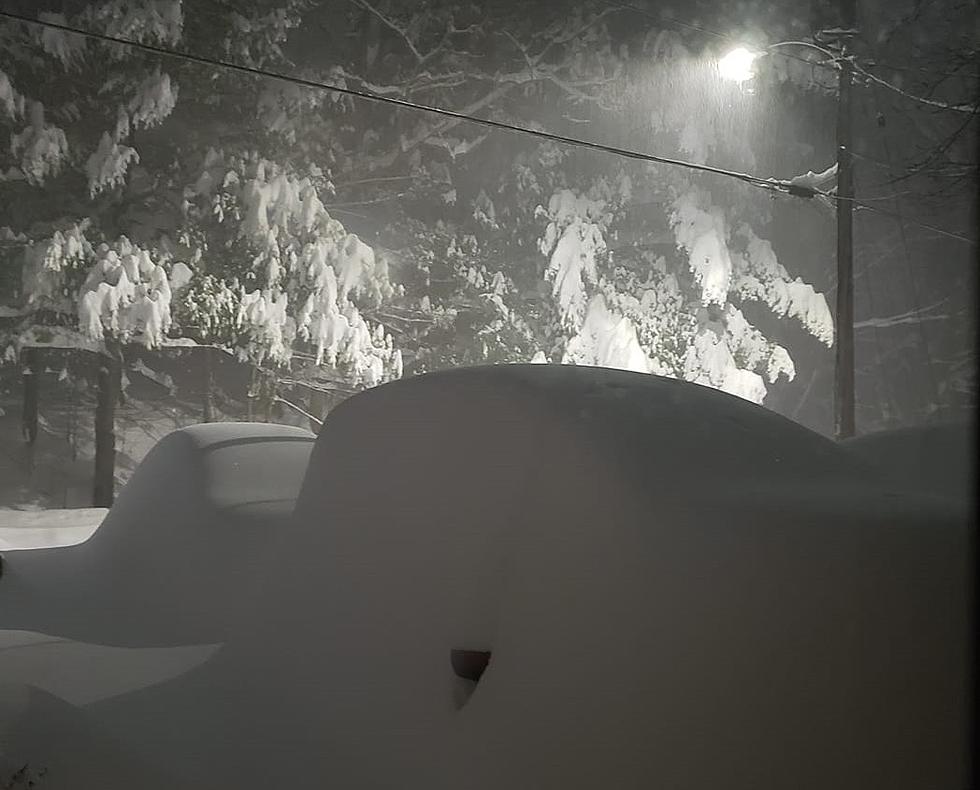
{"x":737,"y":65}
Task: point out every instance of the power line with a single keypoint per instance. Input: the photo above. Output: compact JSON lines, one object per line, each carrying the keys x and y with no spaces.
{"x":670,"y":21}
{"x":903,"y":218}
{"x":770,"y":184}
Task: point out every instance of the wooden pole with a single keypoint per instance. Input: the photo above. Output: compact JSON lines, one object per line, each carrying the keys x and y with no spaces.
{"x":30,"y":376}
{"x":109,"y":380}
{"x":208,"y":385}
{"x":250,"y":395}
{"x":270,"y":385}
{"x":844,"y":359}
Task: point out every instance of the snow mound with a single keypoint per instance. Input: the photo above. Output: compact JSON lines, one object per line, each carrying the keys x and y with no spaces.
{"x":58,"y":747}
{"x":81,"y":673}
{"x":932,"y":459}
{"x":47,"y":529}
{"x":174,"y":561}
{"x":678,"y":589}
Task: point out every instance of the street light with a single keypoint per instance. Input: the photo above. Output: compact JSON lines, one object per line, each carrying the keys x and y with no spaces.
{"x":737,"y":67}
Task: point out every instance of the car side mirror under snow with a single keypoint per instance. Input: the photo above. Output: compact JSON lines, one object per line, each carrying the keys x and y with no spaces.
{"x":469,"y":664}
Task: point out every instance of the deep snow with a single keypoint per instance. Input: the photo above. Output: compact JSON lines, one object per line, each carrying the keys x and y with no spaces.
{"x":678,"y":588}
{"x":935,"y":459}
{"x":47,"y":529}
{"x":82,"y":673}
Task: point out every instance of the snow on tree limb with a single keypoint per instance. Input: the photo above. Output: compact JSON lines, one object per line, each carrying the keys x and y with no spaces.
{"x":146,"y":21}
{"x":573,"y":240}
{"x":67,"y":48}
{"x":607,"y":340}
{"x":42,"y":147}
{"x":703,"y":235}
{"x":155,"y":99}
{"x":12,"y":102}
{"x":315,"y":276}
{"x":759,"y":276}
{"x":106,"y":167}
{"x":124,"y":293}
{"x":625,"y":322}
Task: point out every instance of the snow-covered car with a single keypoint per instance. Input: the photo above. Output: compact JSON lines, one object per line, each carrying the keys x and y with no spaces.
{"x":663,"y":586}
{"x":178,"y":554}
{"x":935,"y":459}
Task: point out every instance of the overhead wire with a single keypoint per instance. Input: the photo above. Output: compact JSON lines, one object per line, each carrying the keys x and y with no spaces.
{"x":885,"y":212}
{"x":771,"y":184}
{"x":774,"y":185}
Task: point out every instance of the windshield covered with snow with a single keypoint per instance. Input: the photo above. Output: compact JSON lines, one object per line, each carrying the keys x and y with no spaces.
{"x":255,"y":473}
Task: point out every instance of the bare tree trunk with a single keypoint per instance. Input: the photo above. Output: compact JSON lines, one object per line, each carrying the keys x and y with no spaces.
{"x":269,"y":394}
{"x":250,"y":395}
{"x":30,"y":376}
{"x":208,"y":385}
{"x":109,"y":380}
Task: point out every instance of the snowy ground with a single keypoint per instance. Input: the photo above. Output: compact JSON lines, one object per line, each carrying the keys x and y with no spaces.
{"x":77,"y":672}
{"x":82,"y":673}
{"x":659,"y":570}
{"x":47,"y":529}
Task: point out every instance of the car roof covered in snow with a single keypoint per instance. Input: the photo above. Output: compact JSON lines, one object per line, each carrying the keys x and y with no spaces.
{"x":209,"y":434}
{"x":677,"y":431}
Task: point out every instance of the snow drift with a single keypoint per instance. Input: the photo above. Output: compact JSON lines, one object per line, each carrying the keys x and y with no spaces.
{"x":677,"y":588}
{"x":48,"y":529}
{"x":933,"y":459}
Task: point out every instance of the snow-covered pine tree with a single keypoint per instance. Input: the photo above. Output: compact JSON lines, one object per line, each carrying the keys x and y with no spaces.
{"x":166,"y":198}
{"x":237,"y":250}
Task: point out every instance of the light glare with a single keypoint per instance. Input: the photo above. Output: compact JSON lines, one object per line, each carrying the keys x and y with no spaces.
{"x":737,"y":65}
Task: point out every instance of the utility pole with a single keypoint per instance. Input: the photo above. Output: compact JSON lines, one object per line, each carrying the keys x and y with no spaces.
{"x":844,"y":360}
